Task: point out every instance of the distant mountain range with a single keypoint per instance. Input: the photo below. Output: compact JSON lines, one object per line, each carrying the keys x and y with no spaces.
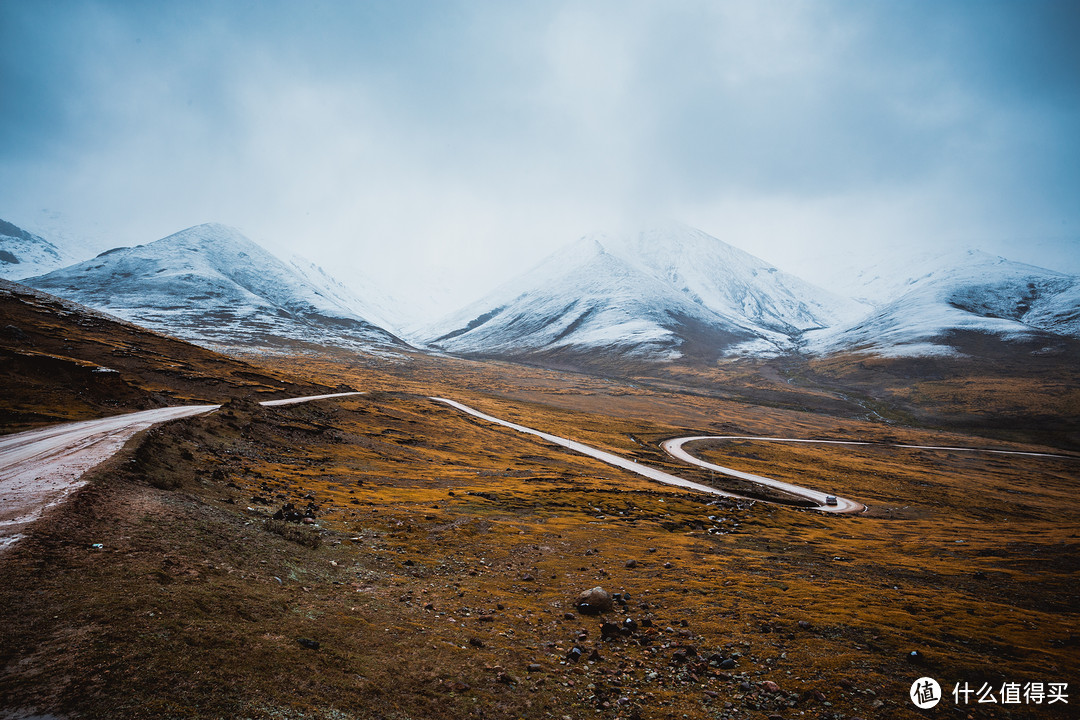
{"x":666,"y":294}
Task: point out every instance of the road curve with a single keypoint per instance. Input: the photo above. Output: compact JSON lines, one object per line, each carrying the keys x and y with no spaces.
{"x":674,"y":448}
{"x":39,"y":468}
{"x":842,"y":506}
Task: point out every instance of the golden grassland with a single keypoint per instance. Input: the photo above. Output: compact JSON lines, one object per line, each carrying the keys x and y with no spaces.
{"x":440,"y":575}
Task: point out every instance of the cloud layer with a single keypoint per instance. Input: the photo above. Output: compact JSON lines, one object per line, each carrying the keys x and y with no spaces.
{"x":463,"y":139}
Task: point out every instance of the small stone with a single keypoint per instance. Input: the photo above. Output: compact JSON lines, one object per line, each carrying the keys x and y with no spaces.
{"x":569,"y":616}
{"x":534,"y":667}
{"x":308,"y":643}
{"x":631,"y":564}
{"x":916,"y":658}
{"x":574,"y":654}
{"x":609,"y":630}
{"x":668,"y":565}
{"x":770,"y":686}
{"x":476,"y":642}
{"x":527,"y":578}
{"x":804,"y":625}
{"x":727,"y":664}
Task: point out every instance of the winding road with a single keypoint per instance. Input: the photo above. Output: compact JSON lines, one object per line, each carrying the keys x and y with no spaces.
{"x":674,"y":448}
{"x":39,"y":468}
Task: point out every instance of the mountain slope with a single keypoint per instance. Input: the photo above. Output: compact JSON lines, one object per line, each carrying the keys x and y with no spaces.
{"x":61,"y":361}
{"x":730,"y":281}
{"x":660,"y":294}
{"x":924,"y":310}
{"x":24,"y":254}
{"x":212,"y":285}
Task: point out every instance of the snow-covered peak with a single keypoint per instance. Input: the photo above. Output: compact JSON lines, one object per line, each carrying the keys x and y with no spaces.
{"x":730,"y":281}
{"x":921,"y":304}
{"x":211,"y":284}
{"x":670,"y":287}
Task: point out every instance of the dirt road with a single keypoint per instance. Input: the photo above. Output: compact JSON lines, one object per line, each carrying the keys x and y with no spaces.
{"x":39,"y":468}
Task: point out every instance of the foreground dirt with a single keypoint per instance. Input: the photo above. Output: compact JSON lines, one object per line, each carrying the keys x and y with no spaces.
{"x":437,"y":574}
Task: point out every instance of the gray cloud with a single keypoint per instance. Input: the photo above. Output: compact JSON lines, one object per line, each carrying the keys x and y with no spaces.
{"x":466,"y":139}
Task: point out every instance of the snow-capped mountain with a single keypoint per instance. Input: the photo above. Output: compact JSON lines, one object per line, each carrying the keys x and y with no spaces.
{"x":658,"y":294}
{"x":211,"y":285}
{"x":24,"y":254}
{"x":922,"y":309}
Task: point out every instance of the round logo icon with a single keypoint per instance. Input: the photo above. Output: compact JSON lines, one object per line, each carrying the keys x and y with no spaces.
{"x":925,"y":693}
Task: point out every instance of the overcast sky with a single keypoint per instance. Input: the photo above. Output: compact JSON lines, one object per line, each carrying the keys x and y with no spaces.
{"x":472,"y":138}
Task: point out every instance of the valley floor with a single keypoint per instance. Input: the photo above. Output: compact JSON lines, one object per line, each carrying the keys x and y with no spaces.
{"x":437,"y":574}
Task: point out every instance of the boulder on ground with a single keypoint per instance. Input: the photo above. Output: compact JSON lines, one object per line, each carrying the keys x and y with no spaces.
{"x":591,"y":602}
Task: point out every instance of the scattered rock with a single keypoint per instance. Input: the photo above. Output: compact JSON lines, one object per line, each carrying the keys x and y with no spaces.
{"x":609,"y":630}
{"x":594,"y":601}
